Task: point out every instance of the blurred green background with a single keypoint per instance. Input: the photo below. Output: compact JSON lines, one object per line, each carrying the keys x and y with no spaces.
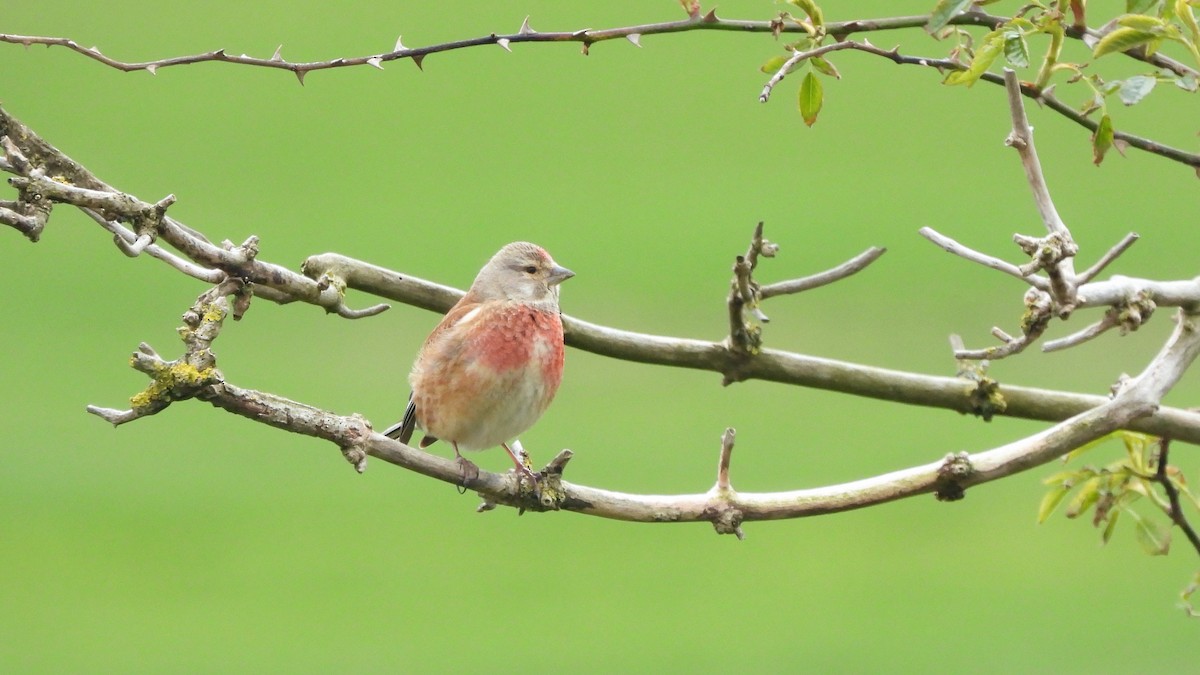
{"x":196,"y":541}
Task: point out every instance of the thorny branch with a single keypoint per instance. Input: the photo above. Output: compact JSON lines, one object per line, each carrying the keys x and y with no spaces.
{"x":840,"y":31}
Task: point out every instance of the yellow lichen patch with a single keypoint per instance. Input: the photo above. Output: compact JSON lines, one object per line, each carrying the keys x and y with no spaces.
{"x":185,"y":375}
{"x":213,"y":312}
{"x":179,"y":380}
{"x":153,"y":396}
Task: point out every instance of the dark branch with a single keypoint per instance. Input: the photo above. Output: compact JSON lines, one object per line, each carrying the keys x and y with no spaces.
{"x":1176,"y":512}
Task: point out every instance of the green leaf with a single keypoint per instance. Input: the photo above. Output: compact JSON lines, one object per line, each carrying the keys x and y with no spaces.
{"x":1137,"y":445}
{"x":945,"y":10}
{"x":1102,"y":140}
{"x":1138,"y":6}
{"x":1074,"y":454}
{"x":1141,"y":22}
{"x":1050,"y":502}
{"x":1067,"y":479}
{"x":812,"y":10}
{"x":1016,"y":51}
{"x":1136,"y":489}
{"x":1180,"y":483}
{"x":1112,"y":525}
{"x":1186,"y":82}
{"x":1122,"y":39}
{"x":773,"y":64}
{"x":1184,"y":11}
{"x":824,"y":66}
{"x":1154,"y":537}
{"x":1088,"y":495}
{"x":1136,"y":88}
{"x":811,"y":98}
{"x":992,"y":45}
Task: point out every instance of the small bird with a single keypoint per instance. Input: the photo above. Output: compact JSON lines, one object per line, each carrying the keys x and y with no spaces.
{"x":489,"y":370}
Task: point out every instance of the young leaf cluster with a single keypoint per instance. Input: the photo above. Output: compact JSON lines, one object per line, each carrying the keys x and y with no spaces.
{"x":1146,"y":27}
{"x":1110,"y":492}
{"x":812,"y":92}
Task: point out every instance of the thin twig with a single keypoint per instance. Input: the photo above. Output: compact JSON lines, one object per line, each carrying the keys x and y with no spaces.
{"x":852,"y":266}
{"x":797,"y":57}
{"x":724,"y":459}
{"x":1035,"y":320}
{"x":1021,"y":139}
{"x":1176,"y":513}
{"x":1109,"y":256}
{"x":952,"y":246}
{"x":743,"y":295}
{"x":1060,"y":266}
{"x":122,"y":234}
{"x":1107,"y":322}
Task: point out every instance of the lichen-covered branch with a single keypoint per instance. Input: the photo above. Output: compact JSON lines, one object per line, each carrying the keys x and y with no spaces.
{"x":325,"y":279}
{"x":724,"y":507}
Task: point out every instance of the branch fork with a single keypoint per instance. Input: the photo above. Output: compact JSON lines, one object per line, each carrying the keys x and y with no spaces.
{"x":746,"y":294}
{"x":1060,"y":292}
{"x":745,"y":337}
{"x":726,"y":518}
{"x":187,"y":376}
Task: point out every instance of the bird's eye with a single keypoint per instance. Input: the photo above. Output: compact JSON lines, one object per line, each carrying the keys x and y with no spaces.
{"x":530,"y":269}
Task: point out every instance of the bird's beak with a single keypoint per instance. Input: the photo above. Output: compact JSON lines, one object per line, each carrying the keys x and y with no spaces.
{"x":558,"y":274}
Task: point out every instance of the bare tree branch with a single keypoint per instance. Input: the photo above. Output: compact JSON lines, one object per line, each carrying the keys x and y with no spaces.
{"x":237,"y":273}
{"x":1055,"y":253}
{"x":1107,"y":259}
{"x":952,"y":246}
{"x":852,"y":266}
{"x":1093,"y":331}
{"x":1061,"y":291}
{"x":722,"y":506}
{"x":799,"y":369}
{"x":326,"y":277}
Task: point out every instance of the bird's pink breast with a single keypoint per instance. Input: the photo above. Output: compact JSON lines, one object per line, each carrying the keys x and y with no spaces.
{"x":519,"y":334}
{"x":488,"y":377}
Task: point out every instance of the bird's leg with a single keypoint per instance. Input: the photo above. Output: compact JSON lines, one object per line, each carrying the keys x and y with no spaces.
{"x":469,"y":471}
{"x":522,"y":468}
